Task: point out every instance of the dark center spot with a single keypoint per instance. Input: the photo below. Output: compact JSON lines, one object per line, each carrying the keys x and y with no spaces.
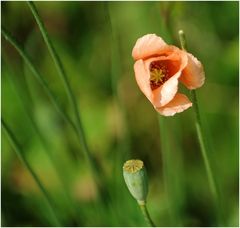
{"x":159,"y":73}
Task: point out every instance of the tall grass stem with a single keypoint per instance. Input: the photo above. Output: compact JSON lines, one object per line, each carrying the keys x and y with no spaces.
{"x":38,"y":76}
{"x":57,"y":167}
{"x":19,"y":151}
{"x":72,"y":100}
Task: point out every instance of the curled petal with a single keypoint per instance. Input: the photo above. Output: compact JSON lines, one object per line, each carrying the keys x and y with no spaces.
{"x":142,"y":78}
{"x":178,"y":104}
{"x":147,"y":46}
{"x":193,"y":75}
{"x":165,"y":93}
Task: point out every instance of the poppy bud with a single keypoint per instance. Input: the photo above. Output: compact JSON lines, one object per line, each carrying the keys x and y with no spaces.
{"x":135,"y":177}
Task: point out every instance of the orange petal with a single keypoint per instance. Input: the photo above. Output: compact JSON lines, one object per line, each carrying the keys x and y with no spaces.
{"x":165,"y":93}
{"x":142,"y":78}
{"x":193,"y":75}
{"x":147,"y":46}
{"x":178,"y":104}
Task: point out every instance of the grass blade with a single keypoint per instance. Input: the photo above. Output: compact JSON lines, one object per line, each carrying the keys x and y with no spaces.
{"x":24,"y":100}
{"x":35,"y":72}
{"x":72,"y":100}
{"x":19,"y":151}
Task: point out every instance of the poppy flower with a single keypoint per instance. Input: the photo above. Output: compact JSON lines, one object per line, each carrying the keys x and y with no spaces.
{"x":159,"y":68}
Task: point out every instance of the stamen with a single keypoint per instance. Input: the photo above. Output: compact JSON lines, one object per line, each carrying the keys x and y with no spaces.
{"x":158,"y":74}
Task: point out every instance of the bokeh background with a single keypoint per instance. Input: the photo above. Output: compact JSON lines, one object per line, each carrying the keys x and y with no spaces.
{"x":94,"y":41}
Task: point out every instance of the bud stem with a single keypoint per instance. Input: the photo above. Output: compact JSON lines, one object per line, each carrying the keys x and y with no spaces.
{"x":146,"y":215}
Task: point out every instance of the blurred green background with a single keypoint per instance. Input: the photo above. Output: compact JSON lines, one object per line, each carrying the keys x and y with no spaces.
{"x":94,"y":41}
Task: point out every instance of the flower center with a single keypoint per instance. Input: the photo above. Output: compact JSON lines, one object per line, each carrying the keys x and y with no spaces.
{"x":158,"y":74}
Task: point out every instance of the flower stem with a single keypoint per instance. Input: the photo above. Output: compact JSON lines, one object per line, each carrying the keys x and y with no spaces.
{"x":72,"y":100}
{"x":21,"y":156}
{"x":202,"y":145}
{"x":200,"y":135}
{"x":146,"y":214}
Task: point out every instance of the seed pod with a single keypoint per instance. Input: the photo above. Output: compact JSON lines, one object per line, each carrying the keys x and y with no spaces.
{"x":135,"y":178}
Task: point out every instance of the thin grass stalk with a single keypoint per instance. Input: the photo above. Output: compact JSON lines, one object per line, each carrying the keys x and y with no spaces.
{"x":25,"y":104}
{"x":19,"y":151}
{"x":69,"y":91}
{"x":38,"y":76}
{"x":58,"y":169}
{"x":201,"y":138}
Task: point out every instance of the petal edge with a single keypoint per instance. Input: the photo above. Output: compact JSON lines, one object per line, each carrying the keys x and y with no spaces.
{"x":178,"y":104}
{"x":147,"y":46}
{"x":193,"y":75}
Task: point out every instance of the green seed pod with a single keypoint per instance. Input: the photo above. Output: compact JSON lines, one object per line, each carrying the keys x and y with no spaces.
{"x":135,"y":178}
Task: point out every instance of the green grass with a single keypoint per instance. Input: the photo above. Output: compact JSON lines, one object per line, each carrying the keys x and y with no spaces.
{"x":84,"y":97}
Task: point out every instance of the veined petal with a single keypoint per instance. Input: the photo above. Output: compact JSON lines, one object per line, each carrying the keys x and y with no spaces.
{"x":178,"y":104}
{"x":193,"y":75}
{"x":147,"y":46}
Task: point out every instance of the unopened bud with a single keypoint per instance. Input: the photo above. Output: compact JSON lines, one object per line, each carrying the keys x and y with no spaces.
{"x":135,"y":177}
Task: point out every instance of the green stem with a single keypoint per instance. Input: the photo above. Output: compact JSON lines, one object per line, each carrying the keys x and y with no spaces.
{"x":198,"y":125}
{"x":38,"y":76}
{"x":21,"y":156}
{"x":146,"y":214}
{"x":201,"y":139}
{"x":72,"y":100}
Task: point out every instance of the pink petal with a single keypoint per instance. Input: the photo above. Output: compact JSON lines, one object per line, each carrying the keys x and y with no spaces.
{"x":193,"y":75}
{"x":147,"y":46}
{"x":178,"y":104}
{"x":142,"y":78}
